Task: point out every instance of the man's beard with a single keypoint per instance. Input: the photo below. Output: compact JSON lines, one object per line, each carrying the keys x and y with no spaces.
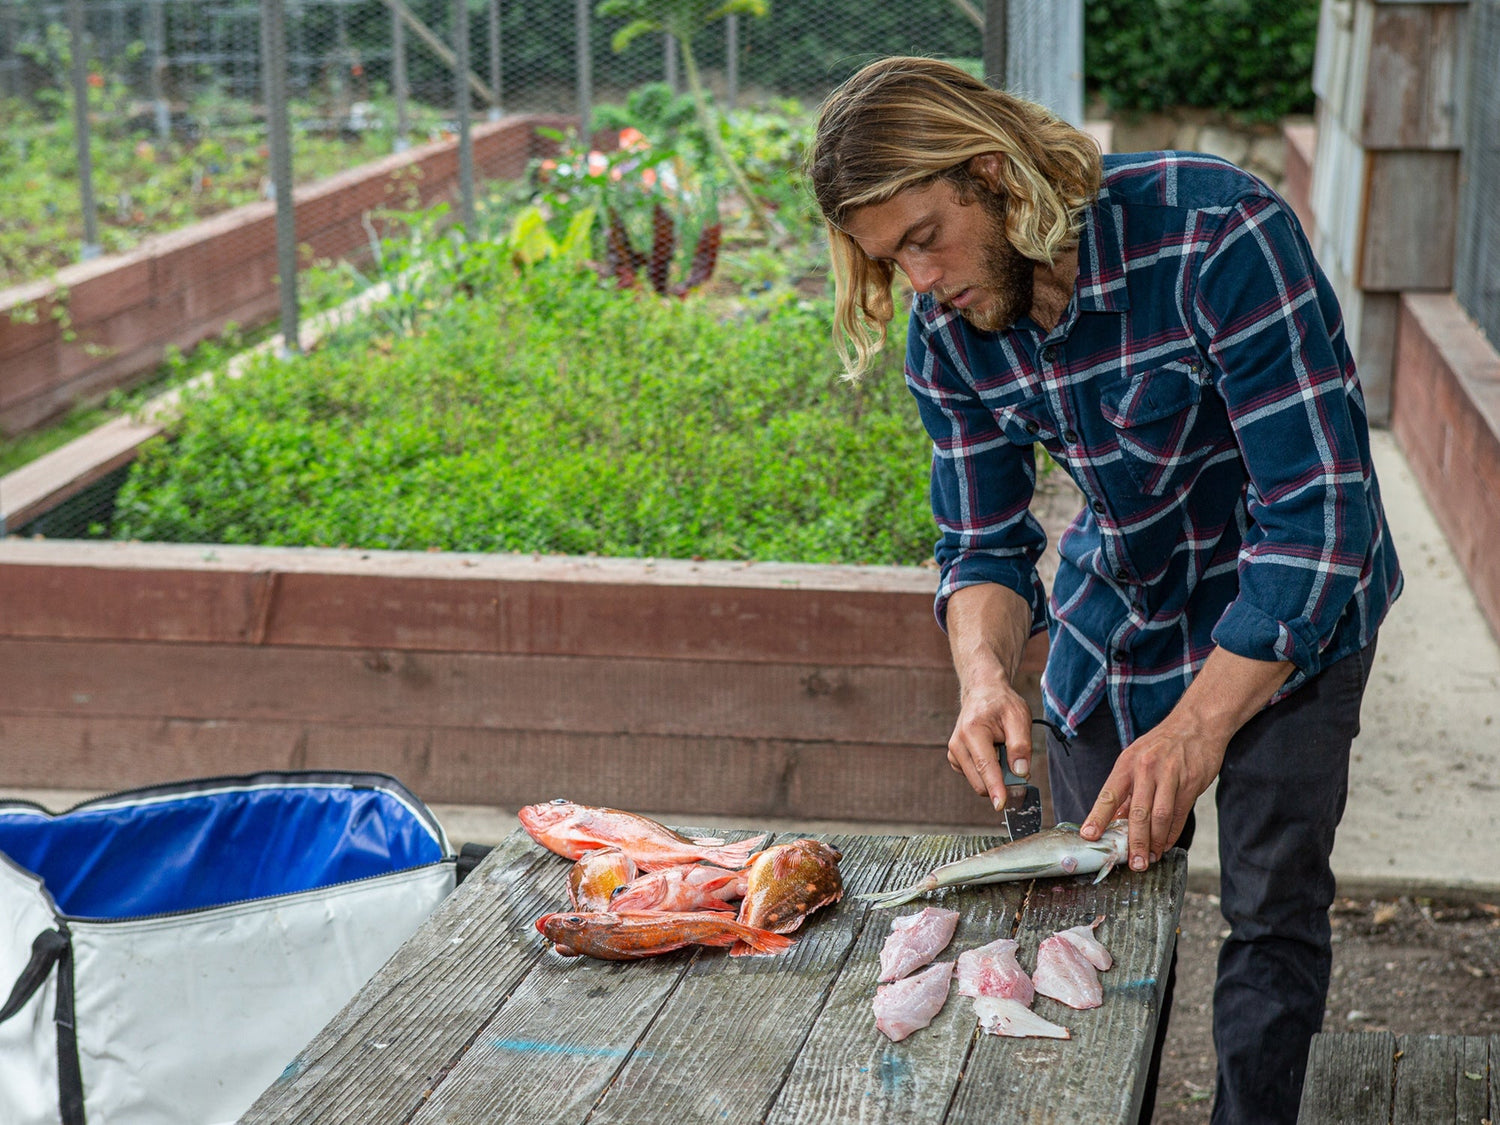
{"x":1007,"y":282}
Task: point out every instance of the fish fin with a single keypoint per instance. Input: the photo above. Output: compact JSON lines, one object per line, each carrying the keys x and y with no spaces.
{"x":708,"y":841}
{"x":894,"y":898}
{"x":737,"y":854}
{"x":759,"y":941}
{"x":1109,"y":865}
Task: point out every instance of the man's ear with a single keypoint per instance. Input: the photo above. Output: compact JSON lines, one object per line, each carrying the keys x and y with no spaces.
{"x":986,"y":168}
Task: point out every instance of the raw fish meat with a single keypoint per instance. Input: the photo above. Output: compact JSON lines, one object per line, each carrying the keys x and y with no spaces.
{"x":992,"y":970}
{"x":912,"y":1003}
{"x":1088,"y":945}
{"x":915,"y":939}
{"x":1000,"y":1016}
{"x":1066,"y":975}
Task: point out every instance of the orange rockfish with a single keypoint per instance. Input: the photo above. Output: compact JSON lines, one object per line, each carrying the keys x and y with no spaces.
{"x":570,"y":830}
{"x":625,"y":937}
{"x":597,"y":876}
{"x":686,"y":887}
{"x":788,"y":882}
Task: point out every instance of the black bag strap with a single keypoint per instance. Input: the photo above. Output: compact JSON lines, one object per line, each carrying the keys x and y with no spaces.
{"x":54,"y":947}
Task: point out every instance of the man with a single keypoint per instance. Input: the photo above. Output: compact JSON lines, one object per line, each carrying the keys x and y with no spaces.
{"x":1157,"y":323}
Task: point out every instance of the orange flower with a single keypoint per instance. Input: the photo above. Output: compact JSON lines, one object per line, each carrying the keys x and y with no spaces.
{"x":96,"y":81}
{"x":648,"y":177}
{"x":597,"y":163}
{"x":632,"y":139}
{"x":356,"y":70}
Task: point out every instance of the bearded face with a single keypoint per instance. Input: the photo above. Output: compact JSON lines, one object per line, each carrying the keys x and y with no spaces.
{"x":1006,"y":278}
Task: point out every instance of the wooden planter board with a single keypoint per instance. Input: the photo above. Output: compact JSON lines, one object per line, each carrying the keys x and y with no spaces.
{"x":713,"y":687}
{"x":1446,"y":415}
{"x":175,"y":289}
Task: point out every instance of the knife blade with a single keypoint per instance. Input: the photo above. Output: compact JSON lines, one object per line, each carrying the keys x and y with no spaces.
{"x":1023,"y":801}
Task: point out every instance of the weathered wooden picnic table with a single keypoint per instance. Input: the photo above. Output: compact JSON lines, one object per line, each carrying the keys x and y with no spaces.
{"x":477,"y":1019}
{"x":1376,"y":1078}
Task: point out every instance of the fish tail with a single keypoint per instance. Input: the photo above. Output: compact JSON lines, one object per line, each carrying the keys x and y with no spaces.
{"x":759,"y":941}
{"x":736,"y":855}
{"x":898,"y":897}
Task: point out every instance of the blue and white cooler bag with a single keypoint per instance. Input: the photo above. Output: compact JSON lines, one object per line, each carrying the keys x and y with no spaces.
{"x":166,"y":952}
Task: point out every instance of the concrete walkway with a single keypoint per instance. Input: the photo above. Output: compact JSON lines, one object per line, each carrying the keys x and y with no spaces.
{"x":1425,"y":775}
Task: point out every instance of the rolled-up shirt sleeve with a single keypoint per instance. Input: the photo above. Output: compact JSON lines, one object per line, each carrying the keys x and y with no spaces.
{"x":981,"y":488}
{"x":1273,"y":332}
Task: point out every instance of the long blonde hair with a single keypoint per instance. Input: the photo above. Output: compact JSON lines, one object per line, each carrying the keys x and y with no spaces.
{"x":905,"y":122}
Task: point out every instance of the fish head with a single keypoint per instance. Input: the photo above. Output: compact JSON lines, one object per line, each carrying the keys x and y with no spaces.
{"x":597,"y":876}
{"x":540,"y":818}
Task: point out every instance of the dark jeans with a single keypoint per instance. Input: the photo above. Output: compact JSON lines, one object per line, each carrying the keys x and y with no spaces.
{"x":1281,"y":795}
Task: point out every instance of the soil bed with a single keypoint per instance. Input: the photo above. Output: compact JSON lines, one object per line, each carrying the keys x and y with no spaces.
{"x":1408,"y":966}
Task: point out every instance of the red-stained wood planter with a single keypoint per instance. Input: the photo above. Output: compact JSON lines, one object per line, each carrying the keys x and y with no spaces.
{"x":721,"y":688}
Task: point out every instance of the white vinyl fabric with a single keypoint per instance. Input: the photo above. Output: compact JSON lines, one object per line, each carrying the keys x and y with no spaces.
{"x":184,"y":1020}
{"x":28,"y":1040}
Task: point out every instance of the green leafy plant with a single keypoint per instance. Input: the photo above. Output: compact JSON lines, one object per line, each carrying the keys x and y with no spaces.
{"x":683,"y":19}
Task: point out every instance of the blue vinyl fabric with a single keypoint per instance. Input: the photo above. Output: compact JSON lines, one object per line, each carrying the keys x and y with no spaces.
{"x":216,"y":842}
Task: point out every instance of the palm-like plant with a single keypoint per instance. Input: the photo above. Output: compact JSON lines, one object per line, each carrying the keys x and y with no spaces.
{"x":683,"y":19}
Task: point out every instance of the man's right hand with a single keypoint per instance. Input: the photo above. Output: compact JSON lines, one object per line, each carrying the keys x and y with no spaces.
{"x":988,"y":626}
{"x":990,"y":717}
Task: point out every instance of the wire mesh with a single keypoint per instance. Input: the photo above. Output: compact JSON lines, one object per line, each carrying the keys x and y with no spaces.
{"x":178,"y":123}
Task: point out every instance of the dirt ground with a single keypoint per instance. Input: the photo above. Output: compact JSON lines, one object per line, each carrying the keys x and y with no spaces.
{"x":1408,"y":966}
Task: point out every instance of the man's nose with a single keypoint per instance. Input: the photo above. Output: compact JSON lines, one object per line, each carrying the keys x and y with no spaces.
{"x":922,"y":275}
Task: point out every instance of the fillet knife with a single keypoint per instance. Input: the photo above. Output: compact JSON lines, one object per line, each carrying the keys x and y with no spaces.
{"x":1023,"y":801}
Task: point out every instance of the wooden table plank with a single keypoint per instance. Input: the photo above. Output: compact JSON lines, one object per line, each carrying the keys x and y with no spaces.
{"x":848,"y":1071}
{"x":728,"y":1036}
{"x":1432,"y":1079}
{"x":476,"y":1020}
{"x":381,"y":1056}
{"x":1098,"y":1074}
{"x":1349,"y":1079}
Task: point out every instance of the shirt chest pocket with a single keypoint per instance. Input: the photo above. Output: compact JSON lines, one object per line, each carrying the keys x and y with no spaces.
{"x":1157,"y":417}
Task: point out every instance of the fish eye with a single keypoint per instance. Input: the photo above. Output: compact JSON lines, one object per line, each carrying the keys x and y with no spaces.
{"x":558,"y":801}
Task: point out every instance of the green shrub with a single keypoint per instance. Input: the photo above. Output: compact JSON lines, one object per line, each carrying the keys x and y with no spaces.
{"x":544,"y":412}
{"x":1250,"y":57}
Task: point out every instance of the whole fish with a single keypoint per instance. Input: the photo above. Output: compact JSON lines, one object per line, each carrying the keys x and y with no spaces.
{"x":570,"y":830}
{"x":596,"y":877}
{"x":786,"y":883}
{"x":686,"y":887}
{"x":626,"y":937}
{"x":1058,"y":850}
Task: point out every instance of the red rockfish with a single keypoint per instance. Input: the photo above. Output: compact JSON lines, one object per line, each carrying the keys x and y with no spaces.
{"x":626,"y":937}
{"x":570,"y":830}
{"x":686,"y":887}
{"x":597,"y":876}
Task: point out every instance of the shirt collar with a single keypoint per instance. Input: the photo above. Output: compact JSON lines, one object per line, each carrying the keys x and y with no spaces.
{"x":1101,"y":283}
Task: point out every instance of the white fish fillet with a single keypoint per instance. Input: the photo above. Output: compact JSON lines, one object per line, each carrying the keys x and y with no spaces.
{"x":915,"y":939}
{"x":913,"y":1002}
{"x":1066,"y":975}
{"x":1000,"y":1016}
{"x":1091,"y":948}
{"x":992,"y":970}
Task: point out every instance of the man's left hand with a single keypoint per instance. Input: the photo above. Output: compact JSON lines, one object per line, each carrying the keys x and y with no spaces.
{"x":1157,"y":778}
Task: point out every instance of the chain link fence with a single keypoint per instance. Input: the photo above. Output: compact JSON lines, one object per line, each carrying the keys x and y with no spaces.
{"x":130,"y":117}
{"x":182,"y":80}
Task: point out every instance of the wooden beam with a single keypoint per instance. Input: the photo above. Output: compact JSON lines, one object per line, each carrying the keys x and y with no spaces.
{"x":440,"y":49}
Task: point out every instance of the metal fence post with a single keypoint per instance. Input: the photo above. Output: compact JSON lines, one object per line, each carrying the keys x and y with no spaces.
{"x":669,"y":61}
{"x":994,"y":43}
{"x":158,"y":38}
{"x":585,"y":62}
{"x":81,"y":130}
{"x":731,"y":59}
{"x":273,"y":80}
{"x":398,"y":79}
{"x":465,"y":137}
{"x":497,"y":109}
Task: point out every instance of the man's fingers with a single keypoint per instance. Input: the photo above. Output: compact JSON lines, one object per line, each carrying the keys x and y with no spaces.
{"x":1103,"y":812}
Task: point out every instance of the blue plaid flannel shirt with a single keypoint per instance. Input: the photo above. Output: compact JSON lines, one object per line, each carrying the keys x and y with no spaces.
{"x":1200,"y":391}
